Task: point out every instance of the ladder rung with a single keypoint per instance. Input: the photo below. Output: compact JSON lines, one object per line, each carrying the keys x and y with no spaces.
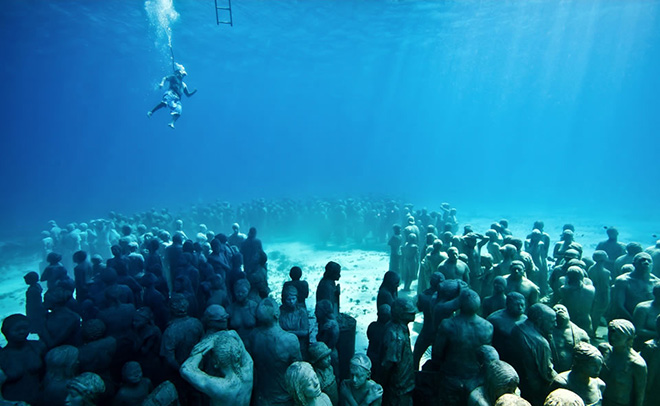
{"x":224,"y":22}
{"x":223,"y":8}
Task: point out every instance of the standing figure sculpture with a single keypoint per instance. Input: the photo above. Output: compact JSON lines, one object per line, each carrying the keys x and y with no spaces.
{"x":229,"y":378}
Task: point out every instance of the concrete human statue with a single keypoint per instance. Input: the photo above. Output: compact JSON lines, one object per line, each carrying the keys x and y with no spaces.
{"x":396,"y":243}
{"x":293,"y":317}
{"x":538,"y":250}
{"x":497,"y":300}
{"x":566,"y":243}
{"x":272,"y":350}
{"x":389,"y":289}
{"x":215,"y":319}
{"x":359,"y":389}
{"x":563,"y":397}
{"x":61,"y":365}
{"x":236,"y":238}
{"x":457,"y":342}
{"x":624,"y":370}
{"x":501,"y":378}
{"x":565,"y":336}
{"x":634,"y":287}
{"x":328,"y":288}
{"x":410,"y":265}
{"x":181,"y":335}
{"x":319,"y":358}
{"x":602,"y":280}
{"x":84,"y":389}
{"x":654,"y":252}
{"x":21,"y":360}
{"x":453,"y":268}
{"x":375,"y":333}
{"x":429,"y":265}
{"x":578,"y":298}
{"x":228,"y":379}
{"x":517,"y":282}
{"x":425,"y":302}
{"x":135,"y":387}
{"x":651,"y":354}
{"x":582,"y":378}
{"x":632,"y":249}
{"x":612,"y":247}
{"x":534,"y":362}
{"x":397,"y":370}
{"x":303,"y":385}
{"x":503,"y":322}
{"x":644,"y":317}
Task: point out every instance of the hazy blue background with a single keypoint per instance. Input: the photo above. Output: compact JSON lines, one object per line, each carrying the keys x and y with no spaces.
{"x":495,"y":106}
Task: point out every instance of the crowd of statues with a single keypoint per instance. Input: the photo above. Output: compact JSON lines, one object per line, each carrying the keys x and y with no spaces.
{"x":145,"y":314}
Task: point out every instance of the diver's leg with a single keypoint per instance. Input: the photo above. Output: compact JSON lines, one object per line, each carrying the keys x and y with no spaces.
{"x":158,"y":107}
{"x":174,"y":118}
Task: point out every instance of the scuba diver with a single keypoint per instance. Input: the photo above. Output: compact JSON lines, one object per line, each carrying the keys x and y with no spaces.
{"x":172,"y":97}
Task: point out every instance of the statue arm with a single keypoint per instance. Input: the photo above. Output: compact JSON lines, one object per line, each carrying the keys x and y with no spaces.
{"x":200,"y":380}
{"x":639,"y":382}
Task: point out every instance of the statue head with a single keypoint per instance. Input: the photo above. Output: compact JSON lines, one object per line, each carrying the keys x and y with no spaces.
{"x":515,"y":304}
{"x":302,"y":383}
{"x":228,"y":353}
{"x":436,"y":279}
{"x":620,"y":333}
{"x":499,"y":284}
{"x":487,"y":354}
{"x":599,"y":256}
{"x":384,"y":313}
{"x":84,"y":389}
{"x":332,"y":271}
{"x":241,"y":290}
{"x":290,"y":297}
{"x":501,"y":378}
{"x":178,"y":305}
{"x":215,"y":317}
{"x":391,"y":281}
{"x":643,"y":262}
{"x":508,"y":251}
{"x":62,"y":361}
{"x":267,"y":312}
{"x":517,"y":268}
{"x":469,"y":302}
{"x":543,"y":318}
{"x":509,"y":399}
{"x":612,"y":233}
{"x":92,"y":330}
{"x":131,"y":373}
{"x":634,"y":248}
{"x":360,"y":370}
{"x":587,"y":360}
{"x":562,"y":315}
{"x":31,"y":278}
{"x":563,"y":397}
{"x":53,"y":258}
{"x":574,"y":275}
{"x":452,"y":253}
{"x":319,"y":355}
{"x":295,"y":273}
{"x":403,"y":310}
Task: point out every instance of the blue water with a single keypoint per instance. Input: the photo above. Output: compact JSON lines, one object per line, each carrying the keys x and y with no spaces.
{"x":496,"y":106}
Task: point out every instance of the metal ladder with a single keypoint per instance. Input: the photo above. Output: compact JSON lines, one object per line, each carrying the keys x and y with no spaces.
{"x":217,"y":15}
